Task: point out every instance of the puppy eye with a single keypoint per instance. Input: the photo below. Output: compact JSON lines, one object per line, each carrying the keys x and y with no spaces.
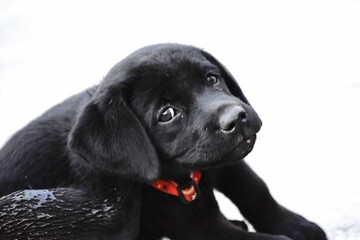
{"x":167,"y":114}
{"x":212,"y":79}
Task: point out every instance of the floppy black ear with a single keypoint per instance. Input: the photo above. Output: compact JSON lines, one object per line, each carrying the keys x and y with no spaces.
{"x":109,"y":137}
{"x":228,"y":77}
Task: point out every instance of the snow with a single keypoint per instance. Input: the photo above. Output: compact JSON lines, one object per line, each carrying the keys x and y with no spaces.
{"x":298,"y":63}
{"x":41,"y":195}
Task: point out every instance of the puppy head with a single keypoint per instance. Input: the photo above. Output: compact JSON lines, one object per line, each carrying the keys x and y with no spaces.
{"x":165,"y":105}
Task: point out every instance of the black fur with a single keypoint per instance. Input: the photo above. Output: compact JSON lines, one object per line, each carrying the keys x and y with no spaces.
{"x":109,"y":140}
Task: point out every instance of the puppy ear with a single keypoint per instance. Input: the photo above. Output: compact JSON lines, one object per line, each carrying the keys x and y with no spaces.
{"x":228,"y":77}
{"x":109,"y":137}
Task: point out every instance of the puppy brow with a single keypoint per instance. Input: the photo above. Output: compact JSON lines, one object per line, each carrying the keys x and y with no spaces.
{"x":168,"y":97}
{"x":210,"y":68}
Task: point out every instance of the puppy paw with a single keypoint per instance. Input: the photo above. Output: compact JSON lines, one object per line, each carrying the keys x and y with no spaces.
{"x":304,"y":230}
{"x":292,"y":225}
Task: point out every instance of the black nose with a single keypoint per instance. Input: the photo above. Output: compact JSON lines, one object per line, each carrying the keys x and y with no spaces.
{"x":232,"y":117}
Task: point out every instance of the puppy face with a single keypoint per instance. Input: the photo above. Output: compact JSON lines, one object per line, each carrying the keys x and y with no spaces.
{"x":164,"y":106}
{"x":183,"y":97}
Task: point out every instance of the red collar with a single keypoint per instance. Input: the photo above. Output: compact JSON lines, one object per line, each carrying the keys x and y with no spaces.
{"x":187,"y":192}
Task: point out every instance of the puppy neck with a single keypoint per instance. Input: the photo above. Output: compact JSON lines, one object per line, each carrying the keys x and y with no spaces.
{"x":181,"y":177}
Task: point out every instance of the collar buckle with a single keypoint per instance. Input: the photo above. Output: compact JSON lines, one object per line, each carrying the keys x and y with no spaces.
{"x":189,"y":192}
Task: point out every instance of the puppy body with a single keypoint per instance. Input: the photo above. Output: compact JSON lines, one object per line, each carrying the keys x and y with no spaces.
{"x":161,"y":113}
{"x":81,"y":203}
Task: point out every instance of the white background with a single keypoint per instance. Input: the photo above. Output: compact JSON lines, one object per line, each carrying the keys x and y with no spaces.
{"x":297,"y":61}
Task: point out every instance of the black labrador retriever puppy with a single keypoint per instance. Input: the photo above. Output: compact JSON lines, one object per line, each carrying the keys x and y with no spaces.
{"x":139,"y":156}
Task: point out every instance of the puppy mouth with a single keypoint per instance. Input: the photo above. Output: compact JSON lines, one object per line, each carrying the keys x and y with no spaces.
{"x":236,"y":153}
{"x":240,"y":151}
